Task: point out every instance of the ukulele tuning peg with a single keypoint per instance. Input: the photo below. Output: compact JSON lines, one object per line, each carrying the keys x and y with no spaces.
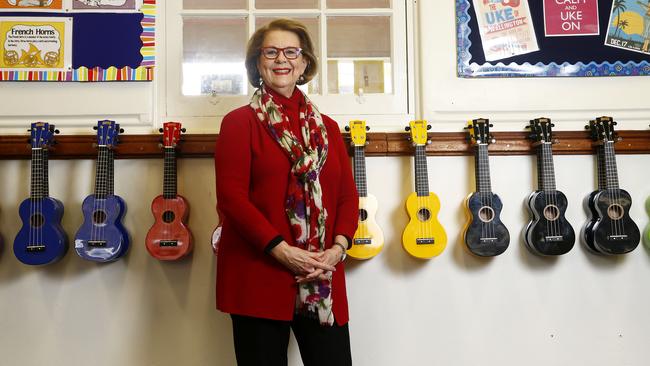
{"x":121,"y":130}
{"x":160,"y":145}
{"x":493,"y":140}
{"x":160,"y":130}
{"x":407,"y":128}
{"x":57,"y":131}
{"x":614,"y":123}
{"x":429,"y":142}
{"x":95,"y":128}
{"x":555,"y":141}
{"x":29,"y":130}
{"x":367,"y":128}
{"x":347,"y":128}
{"x":586,"y":127}
{"x":528,"y":127}
{"x":428,"y":127}
{"x":491,"y":125}
{"x":183,"y":130}
{"x":552,"y":124}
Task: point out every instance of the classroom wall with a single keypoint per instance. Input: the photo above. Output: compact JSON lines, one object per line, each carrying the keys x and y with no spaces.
{"x":456,"y":309}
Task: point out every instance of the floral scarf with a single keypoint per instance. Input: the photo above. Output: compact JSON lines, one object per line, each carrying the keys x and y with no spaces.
{"x":304,"y":204}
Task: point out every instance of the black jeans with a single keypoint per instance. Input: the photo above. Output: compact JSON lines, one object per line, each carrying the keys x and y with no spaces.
{"x":264,"y":342}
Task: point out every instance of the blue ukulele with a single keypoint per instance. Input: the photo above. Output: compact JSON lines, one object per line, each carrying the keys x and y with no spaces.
{"x":41,"y":239}
{"x":102,"y":237}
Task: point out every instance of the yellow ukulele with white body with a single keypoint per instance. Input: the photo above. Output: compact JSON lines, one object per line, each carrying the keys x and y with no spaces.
{"x":423,"y":236}
{"x":368,"y":239}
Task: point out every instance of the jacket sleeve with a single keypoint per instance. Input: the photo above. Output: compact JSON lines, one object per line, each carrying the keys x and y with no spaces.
{"x":347,"y":209}
{"x":232,"y":165}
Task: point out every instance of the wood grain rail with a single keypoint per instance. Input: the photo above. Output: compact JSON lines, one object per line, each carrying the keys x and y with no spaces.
{"x":379,"y":144}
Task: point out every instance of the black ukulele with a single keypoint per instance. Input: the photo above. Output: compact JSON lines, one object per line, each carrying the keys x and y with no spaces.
{"x":485,"y":235}
{"x":548,"y":232}
{"x":614,"y":231}
{"x":588,"y":203}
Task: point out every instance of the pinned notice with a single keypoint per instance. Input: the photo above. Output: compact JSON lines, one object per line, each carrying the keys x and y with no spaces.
{"x":571,"y":18}
{"x":506,"y":28}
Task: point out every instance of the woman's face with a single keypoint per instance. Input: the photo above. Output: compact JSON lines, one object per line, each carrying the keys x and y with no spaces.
{"x":281,"y":74}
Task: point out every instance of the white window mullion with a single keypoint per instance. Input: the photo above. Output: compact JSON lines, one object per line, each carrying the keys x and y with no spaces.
{"x":324,"y":85}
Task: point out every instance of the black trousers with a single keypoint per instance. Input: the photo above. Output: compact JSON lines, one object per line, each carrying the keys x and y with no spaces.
{"x":264,"y":342}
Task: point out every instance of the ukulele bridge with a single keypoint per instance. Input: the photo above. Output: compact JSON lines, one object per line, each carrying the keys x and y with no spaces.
{"x":617,"y":237}
{"x":362,"y":241}
{"x":554,"y":238}
{"x":35,"y":248}
{"x":168,"y":243}
{"x":97,"y":243}
{"x":424,"y":241}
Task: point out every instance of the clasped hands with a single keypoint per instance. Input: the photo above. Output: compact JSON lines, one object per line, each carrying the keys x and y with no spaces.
{"x":305,"y":265}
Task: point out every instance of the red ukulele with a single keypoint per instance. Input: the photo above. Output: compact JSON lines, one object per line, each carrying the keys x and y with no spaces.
{"x":169,"y":238}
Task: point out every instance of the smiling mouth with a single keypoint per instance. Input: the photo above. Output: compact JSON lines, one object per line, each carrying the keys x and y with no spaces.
{"x":281,"y":71}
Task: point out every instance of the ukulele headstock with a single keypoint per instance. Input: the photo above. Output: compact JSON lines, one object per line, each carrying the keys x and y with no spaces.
{"x":418,"y":130}
{"x":171,"y":134}
{"x":107,"y":132}
{"x":41,"y":135}
{"x":541,"y":130}
{"x":602,"y":129}
{"x":357,"y":129}
{"x":479,"y":131}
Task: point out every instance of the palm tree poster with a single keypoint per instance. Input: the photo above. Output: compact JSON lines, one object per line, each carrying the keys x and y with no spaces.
{"x":629,"y":25}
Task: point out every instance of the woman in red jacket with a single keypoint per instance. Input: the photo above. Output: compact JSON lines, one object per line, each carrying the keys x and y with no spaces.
{"x":290,"y":207}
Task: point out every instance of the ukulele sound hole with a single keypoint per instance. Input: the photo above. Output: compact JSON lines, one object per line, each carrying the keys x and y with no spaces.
{"x":36,"y":220}
{"x":168,"y":216}
{"x":615,"y":212}
{"x":551,"y":213}
{"x":99,"y":217}
{"x":486,"y":214}
{"x":424,"y":214}
{"x":363,"y":215}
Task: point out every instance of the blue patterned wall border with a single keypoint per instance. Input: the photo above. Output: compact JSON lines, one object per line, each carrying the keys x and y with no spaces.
{"x":473,"y":70}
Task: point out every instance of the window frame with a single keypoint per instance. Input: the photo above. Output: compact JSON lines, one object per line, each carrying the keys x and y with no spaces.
{"x":383,"y":108}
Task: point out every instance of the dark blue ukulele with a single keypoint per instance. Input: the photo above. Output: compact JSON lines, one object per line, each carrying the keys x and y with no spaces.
{"x":41,"y":239}
{"x":102,"y":237}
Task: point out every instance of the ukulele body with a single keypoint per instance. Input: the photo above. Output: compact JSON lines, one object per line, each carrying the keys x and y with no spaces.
{"x":485,"y":235}
{"x":102,"y":236}
{"x":169,"y":238}
{"x":41,"y":239}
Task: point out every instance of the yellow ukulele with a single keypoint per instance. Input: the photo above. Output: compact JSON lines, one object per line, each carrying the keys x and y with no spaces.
{"x":423,"y":236}
{"x":368,"y":239}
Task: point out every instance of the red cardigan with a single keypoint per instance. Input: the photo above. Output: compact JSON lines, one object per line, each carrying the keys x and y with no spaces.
{"x":252,"y":174}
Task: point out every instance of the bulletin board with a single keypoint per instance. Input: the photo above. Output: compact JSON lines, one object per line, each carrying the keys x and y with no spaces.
{"x":569,"y":55}
{"x":106,"y":40}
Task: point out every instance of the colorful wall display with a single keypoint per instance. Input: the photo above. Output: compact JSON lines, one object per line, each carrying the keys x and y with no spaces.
{"x":108,"y":45}
{"x":619,"y":46}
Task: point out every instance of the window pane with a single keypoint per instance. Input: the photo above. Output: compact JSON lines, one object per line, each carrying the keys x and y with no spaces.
{"x":286,"y":4}
{"x":313,"y":87}
{"x":214,"y":50}
{"x":359,"y":63}
{"x":351,"y":4}
{"x":215,"y":4}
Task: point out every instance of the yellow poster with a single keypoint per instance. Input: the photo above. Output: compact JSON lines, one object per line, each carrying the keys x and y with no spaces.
{"x":31,"y":5}
{"x":35,"y":43}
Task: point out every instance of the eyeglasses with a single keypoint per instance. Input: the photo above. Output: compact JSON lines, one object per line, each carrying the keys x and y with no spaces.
{"x":271,"y":53}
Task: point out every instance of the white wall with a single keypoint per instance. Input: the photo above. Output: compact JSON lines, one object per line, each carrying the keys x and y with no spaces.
{"x":456,"y":309}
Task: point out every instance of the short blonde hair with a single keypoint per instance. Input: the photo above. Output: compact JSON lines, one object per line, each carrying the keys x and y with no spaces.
{"x":253,"y":50}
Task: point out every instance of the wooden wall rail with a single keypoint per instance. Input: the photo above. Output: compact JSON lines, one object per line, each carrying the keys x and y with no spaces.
{"x":379,"y":144}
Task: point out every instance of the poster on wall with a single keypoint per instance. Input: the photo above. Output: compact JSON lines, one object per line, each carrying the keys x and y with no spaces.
{"x":571,"y":18}
{"x":629,"y":26}
{"x":505,"y":27}
{"x":106,"y":5}
{"x":36,"y":44}
{"x":31,"y":5}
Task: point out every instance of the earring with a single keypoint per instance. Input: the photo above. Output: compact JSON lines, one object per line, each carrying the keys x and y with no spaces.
{"x":301,"y":78}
